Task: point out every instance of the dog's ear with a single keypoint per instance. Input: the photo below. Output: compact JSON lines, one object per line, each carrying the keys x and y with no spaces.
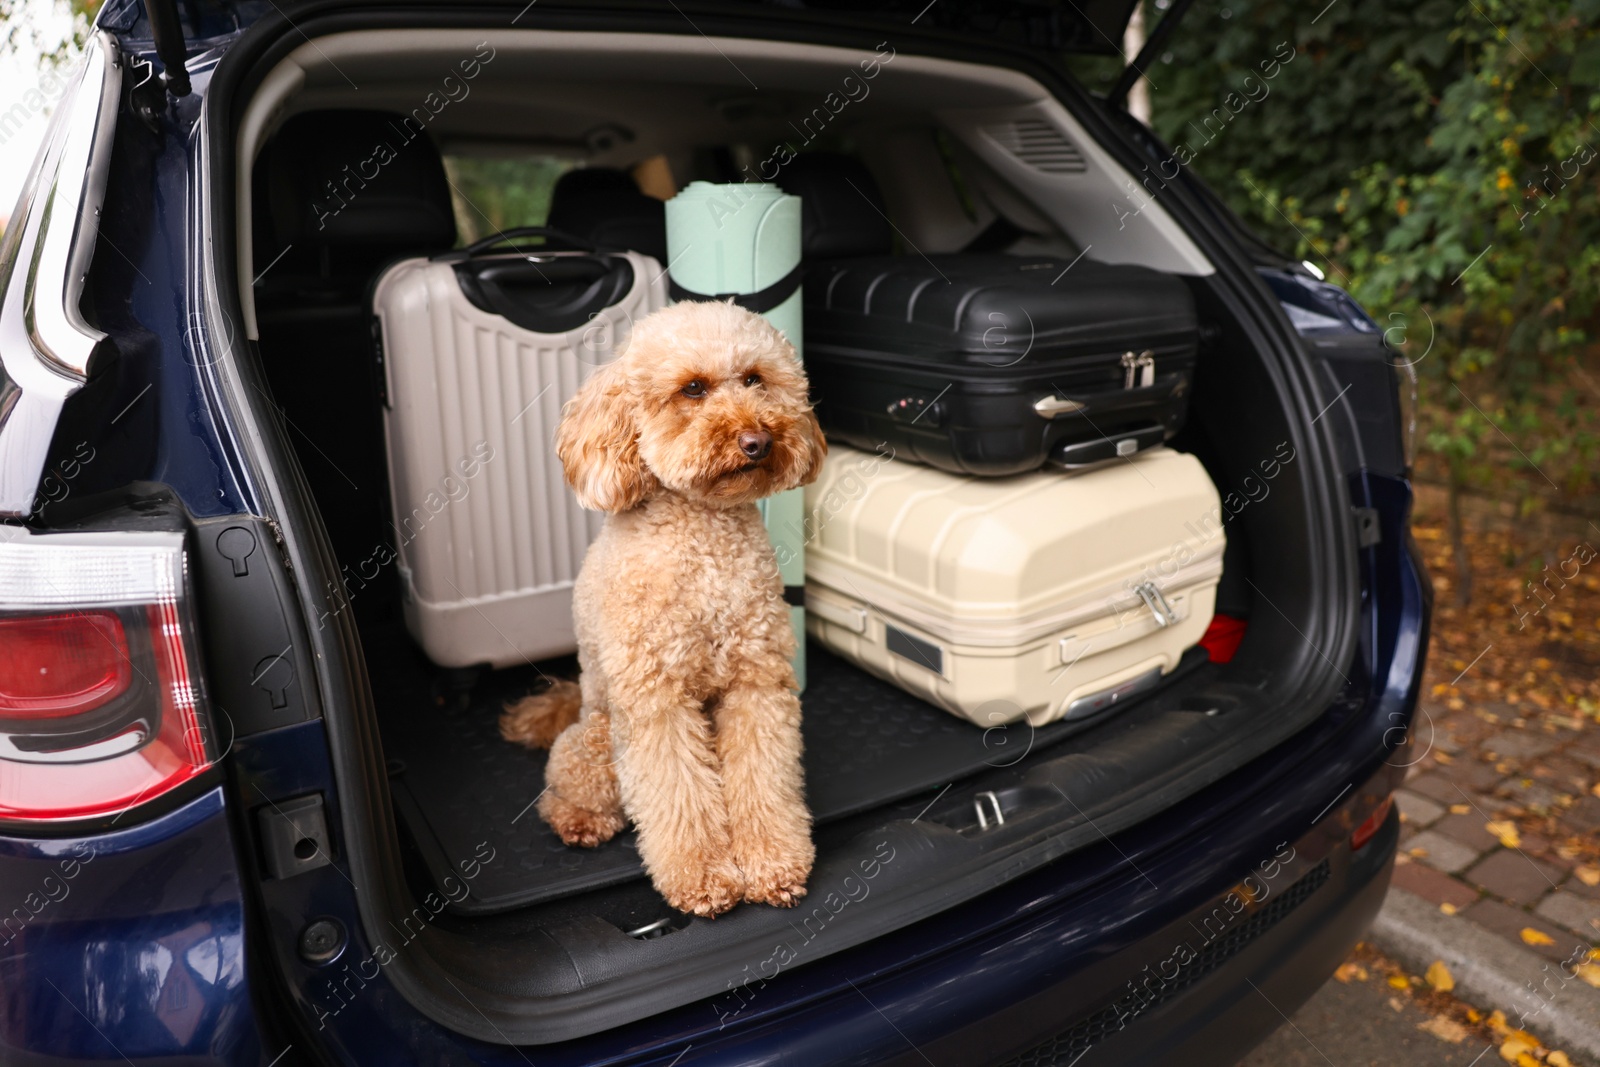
{"x":819,"y":448}
{"x":598,"y":443}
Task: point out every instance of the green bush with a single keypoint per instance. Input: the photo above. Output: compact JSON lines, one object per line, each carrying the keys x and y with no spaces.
{"x":1440,"y":161}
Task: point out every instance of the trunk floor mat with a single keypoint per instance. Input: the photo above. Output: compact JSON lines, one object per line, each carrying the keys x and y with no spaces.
{"x":461,"y":790}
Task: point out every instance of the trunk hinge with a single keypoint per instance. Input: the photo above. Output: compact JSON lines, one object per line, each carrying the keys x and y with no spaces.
{"x":1153,"y":46}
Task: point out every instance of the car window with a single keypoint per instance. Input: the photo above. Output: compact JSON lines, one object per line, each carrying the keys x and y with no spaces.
{"x":496,"y":191}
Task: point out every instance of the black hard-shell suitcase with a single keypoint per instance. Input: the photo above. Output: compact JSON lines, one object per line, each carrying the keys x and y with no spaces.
{"x":997,"y":364}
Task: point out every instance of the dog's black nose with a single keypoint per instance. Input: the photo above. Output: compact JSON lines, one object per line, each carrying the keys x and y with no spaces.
{"x":755,"y":444}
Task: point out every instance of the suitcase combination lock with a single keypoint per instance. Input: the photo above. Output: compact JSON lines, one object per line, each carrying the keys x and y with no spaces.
{"x":914,"y":409}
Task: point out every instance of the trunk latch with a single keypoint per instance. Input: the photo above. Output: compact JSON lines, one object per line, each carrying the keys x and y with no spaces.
{"x":987,"y":806}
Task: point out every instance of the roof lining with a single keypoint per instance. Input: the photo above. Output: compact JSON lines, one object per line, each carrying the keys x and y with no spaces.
{"x":328,"y":71}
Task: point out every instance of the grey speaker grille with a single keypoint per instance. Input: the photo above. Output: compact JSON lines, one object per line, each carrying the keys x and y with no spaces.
{"x":1038,"y":144}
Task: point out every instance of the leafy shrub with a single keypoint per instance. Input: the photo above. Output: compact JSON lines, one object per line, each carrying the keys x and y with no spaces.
{"x":1440,"y":160}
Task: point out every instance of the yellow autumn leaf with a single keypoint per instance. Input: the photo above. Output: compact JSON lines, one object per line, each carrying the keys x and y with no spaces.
{"x":1588,"y":875}
{"x":1445,"y":1029}
{"x":1474,"y":1015}
{"x":1497,"y":1023}
{"x":1536,"y":937}
{"x":1444,"y":757}
{"x":1506,"y":831}
{"x":1351,"y":970}
{"x":1590,"y":972}
{"x":1515,"y":1047}
{"x":1398,"y":981}
{"x":1558,"y":1059}
{"x":1459,"y":809}
{"x":1439,"y":977}
{"x":1595,"y":789}
{"x":1448,"y":908}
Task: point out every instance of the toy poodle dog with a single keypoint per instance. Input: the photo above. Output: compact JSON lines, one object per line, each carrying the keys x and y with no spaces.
{"x":685,"y":718}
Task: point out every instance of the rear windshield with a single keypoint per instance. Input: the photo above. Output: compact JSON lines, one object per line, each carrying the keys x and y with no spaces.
{"x":496,"y":190}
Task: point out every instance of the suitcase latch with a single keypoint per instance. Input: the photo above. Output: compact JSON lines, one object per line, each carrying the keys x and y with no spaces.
{"x":1157,"y":604}
{"x":1138,"y":369}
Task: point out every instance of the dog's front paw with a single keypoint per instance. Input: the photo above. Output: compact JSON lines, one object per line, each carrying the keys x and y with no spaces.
{"x":775,"y":882}
{"x":579,"y":826}
{"x":707,"y":890}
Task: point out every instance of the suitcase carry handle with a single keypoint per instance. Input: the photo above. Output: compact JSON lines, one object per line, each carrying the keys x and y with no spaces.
{"x":1118,"y":444}
{"x":546,"y":295}
{"x":1111,"y":401}
{"x":495,"y":240}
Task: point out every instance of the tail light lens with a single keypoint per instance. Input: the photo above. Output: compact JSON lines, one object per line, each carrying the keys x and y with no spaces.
{"x":100,"y":700}
{"x":58,"y":665}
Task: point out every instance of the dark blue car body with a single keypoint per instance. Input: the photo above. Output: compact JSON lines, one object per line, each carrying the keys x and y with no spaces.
{"x":150,"y":949}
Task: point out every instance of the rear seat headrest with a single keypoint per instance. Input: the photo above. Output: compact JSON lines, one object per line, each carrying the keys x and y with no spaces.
{"x":368,"y":181}
{"x":605,"y":206}
{"x":841,"y":210}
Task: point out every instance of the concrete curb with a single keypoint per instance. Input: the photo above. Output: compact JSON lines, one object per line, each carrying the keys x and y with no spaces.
{"x":1492,"y":972}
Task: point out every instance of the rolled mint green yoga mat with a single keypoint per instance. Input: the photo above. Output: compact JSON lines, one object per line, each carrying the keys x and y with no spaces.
{"x":743,"y":240}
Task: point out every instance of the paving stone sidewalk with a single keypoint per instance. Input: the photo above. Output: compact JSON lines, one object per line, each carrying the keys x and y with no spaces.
{"x":1537,"y":886}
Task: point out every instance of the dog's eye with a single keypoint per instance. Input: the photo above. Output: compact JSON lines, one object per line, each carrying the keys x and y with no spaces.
{"x":695,"y":389}
{"x":752,"y":378}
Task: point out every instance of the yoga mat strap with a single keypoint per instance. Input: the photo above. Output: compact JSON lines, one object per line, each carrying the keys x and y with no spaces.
{"x":761,"y":301}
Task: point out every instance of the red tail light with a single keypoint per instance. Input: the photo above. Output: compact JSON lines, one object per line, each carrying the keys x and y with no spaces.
{"x":1372,"y":824}
{"x":54,"y":665}
{"x":100,"y":703}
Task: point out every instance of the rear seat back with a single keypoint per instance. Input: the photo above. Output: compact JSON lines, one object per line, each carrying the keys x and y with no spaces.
{"x":339,"y":194}
{"x":344,"y":192}
{"x":842,"y":213}
{"x":604,"y":206}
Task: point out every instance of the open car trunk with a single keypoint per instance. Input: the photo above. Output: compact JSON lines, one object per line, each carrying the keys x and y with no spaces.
{"x":916,"y":809}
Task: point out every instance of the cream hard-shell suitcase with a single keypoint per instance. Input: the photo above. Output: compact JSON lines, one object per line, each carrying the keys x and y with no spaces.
{"x":1042,"y":596}
{"x":480,"y":351}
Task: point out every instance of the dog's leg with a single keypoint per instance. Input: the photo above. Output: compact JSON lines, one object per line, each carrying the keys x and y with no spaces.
{"x":758,"y":740}
{"x":671,"y":790}
{"x":581,"y":801}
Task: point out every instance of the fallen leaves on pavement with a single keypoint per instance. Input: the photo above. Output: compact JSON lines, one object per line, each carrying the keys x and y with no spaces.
{"x":1445,"y":1029}
{"x":1350,"y":969}
{"x":1451,"y":1020}
{"x":1511,"y":662}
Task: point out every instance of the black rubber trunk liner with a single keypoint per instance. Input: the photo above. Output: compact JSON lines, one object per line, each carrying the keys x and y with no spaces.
{"x":461,"y":790}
